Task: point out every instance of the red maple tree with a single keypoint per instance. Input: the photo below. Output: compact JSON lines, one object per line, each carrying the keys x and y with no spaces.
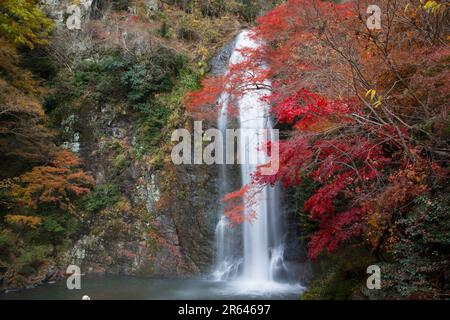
{"x":341,"y":88}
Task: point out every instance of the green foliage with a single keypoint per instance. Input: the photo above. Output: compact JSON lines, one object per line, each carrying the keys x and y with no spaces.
{"x":24,"y":141}
{"x":32,"y":258}
{"x":35,"y":223}
{"x":19,"y":263}
{"x":52,"y":225}
{"x":40,"y":218}
{"x":417,"y":267}
{"x":154,"y":73}
{"x":250,"y":10}
{"x":300,"y":195}
{"x":420,"y":261}
{"x":332,"y":286}
{"x":188,"y":80}
{"x":339,"y":276}
{"x":150,"y":130}
{"x":186,"y":32}
{"x":151,"y":83}
{"x":164,"y":30}
{"x":121,"y":5}
{"x":39,"y":62}
{"x":103,"y":196}
{"x":6,"y":199}
{"x":214,"y":8}
{"x":247,"y":10}
{"x":7,"y":245}
{"x":126,"y":77}
{"x":22,"y":23}
{"x":165,"y":116}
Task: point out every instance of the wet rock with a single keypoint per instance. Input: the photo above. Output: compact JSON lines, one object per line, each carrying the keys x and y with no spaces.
{"x":119,"y":133}
{"x":152,"y":5}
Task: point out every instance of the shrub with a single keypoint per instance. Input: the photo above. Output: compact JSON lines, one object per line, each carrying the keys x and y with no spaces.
{"x":164,"y":30}
{"x":103,"y":195}
{"x":121,"y":5}
{"x":419,"y":262}
{"x":134,"y":78}
{"x":32,"y":258}
{"x":339,"y":276}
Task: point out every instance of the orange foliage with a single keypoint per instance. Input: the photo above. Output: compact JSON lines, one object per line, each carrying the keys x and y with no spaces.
{"x":238,"y":208}
{"x":203,"y":102}
{"x":364,"y":106}
{"x":54,"y":185}
{"x":26,"y":221}
{"x":404,"y":186}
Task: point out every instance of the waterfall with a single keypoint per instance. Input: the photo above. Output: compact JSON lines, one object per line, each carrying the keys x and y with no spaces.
{"x":226,"y":263}
{"x":258,"y":257}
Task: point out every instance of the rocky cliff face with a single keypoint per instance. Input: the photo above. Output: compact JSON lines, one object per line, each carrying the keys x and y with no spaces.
{"x":148,"y":239}
{"x":153,"y":219}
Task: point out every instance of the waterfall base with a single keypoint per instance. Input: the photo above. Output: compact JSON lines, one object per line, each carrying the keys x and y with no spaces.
{"x":108,"y":287}
{"x":262,"y":288}
{"x":251,"y":257}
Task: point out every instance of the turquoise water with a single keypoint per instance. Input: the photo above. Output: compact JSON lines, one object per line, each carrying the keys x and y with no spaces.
{"x":134,"y":288}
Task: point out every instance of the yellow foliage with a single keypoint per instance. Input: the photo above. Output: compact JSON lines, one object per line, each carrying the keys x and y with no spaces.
{"x":22,"y":23}
{"x":378,"y":102}
{"x":18,"y":89}
{"x":56,"y":184}
{"x":26,"y":221}
{"x":323,"y":125}
{"x":124,"y":206}
{"x":433,"y":6}
{"x":372,"y":94}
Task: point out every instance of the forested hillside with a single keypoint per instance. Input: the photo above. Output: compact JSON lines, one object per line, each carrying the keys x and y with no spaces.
{"x":364,"y":115}
{"x":90,"y":92}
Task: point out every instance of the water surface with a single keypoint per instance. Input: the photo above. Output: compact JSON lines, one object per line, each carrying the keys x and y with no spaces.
{"x":109,"y":287}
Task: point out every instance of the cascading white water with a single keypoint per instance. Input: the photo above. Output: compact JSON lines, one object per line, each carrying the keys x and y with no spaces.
{"x":260,"y":255}
{"x":226,"y":263}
